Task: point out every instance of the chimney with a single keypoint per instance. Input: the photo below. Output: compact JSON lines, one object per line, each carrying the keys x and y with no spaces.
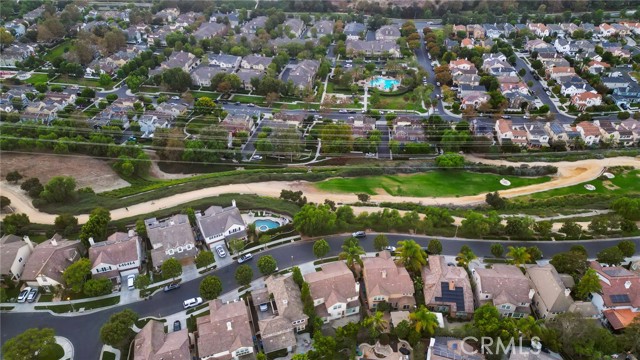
{"x":233,"y":203}
{"x":54,"y":242}
{"x":531,"y":293}
{"x":28,"y":241}
{"x":131,"y":233}
{"x":452,"y":285}
{"x":627,"y":284}
{"x":384,"y":274}
{"x":91,"y":242}
{"x":567,"y":292}
{"x":229,"y":328}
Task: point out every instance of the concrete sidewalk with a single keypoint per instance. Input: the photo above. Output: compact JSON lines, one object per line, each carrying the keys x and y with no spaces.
{"x":67,"y":346}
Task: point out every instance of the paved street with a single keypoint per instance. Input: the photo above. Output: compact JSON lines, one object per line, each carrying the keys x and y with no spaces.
{"x":83,"y":330}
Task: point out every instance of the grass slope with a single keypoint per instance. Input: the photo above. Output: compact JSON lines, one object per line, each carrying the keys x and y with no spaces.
{"x":434,"y":183}
{"x":624,"y":183}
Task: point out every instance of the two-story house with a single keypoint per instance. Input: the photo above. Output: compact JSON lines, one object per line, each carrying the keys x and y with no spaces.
{"x":303,"y":73}
{"x":619,"y":298}
{"x":14,"y":253}
{"x":226,"y":332}
{"x":447,"y":288}
{"x":586,"y":99}
{"x":256,"y":62}
{"x":334,"y":291}
{"x":120,"y":255}
{"x":285,"y":316}
{"x":219,"y":224}
{"x":171,"y":238}
{"x":153,"y":343}
{"x":589,"y":132}
{"x":49,"y":260}
{"x":388,"y":32}
{"x":384,"y":280}
{"x":505,"y":287}
{"x":536,"y":136}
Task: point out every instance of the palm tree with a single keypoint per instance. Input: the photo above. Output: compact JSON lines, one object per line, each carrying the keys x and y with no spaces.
{"x":465,"y":256}
{"x":519,"y":255}
{"x":376,"y":323}
{"x":528,"y":326}
{"x":424,"y":320}
{"x":411,"y":255}
{"x":351,"y":253}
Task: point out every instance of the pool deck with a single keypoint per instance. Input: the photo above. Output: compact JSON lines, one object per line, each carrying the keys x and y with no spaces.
{"x":251,"y":217}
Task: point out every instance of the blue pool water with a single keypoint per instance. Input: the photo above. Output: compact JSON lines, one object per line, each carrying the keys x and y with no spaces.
{"x":264,"y":225}
{"x":386,"y":84}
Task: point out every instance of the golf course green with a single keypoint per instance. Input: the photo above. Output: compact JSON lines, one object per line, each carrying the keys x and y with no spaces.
{"x":429,"y":184}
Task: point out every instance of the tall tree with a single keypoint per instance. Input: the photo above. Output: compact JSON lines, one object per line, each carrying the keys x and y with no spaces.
{"x":518,"y":255}
{"x":96,"y":226}
{"x":117,"y":331}
{"x":204,"y":258}
{"x":380,"y":242}
{"x":627,"y":247}
{"x":611,"y":256}
{"x":321,"y":248}
{"x":77,"y":274}
{"x":424,"y":321}
{"x":465,"y":256}
{"x":434,"y":247}
{"x":351,"y":252}
{"x":588,"y":284}
{"x":27,"y":345}
{"x":210,"y":287}
{"x":267,"y":265}
{"x":244,"y":275}
{"x":411,"y":255}
{"x":497,"y":250}
{"x":375,"y":323}
{"x":171,"y":268}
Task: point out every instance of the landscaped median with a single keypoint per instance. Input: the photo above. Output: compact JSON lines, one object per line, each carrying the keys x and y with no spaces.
{"x":81,"y":306}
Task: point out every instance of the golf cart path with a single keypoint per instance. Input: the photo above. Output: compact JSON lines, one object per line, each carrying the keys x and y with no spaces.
{"x":569,"y":173}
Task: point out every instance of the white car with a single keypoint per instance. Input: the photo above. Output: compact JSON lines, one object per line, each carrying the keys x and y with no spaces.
{"x":245,"y":258}
{"x":342,"y":111}
{"x":390,"y":248}
{"x":221,"y":251}
{"x":175,"y":98}
{"x":24,"y":294}
{"x":192,"y":302}
{"x":359,"y":234}
{"x":256,"y":157}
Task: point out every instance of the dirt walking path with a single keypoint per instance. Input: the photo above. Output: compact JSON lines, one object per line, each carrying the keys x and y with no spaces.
{"x":569,"y":173}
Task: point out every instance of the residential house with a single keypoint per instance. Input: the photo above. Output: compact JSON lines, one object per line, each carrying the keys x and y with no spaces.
{"x":474,"y":99}
{"x":168,"y":15}
{"x":149,"y":123}
{"x":540,"y":29}
{"x":256,"y":62}
{"x":505,"y":130}
{"x":225,"y":61}
{"x":14,"y":253}
{"x":462,"y":64}
{"x":556,"y":131}
{"x":536,"y":136}
{"x":32,"y":16}
{"x":553,"y":293}
{"x":480,"y":127}
{"x":585,"y":47}
{"x":152,"y":343}
{"x":49,"y":260}
{"x":202,"y":75}
{"x":572,"y":85}
{"x":361,"y":125}
{"x":627,"y":95}
{"x":303,"y":73}
{"x":171,"y":238}
{"x":494,"y":56}
{"x":559,"y":71}
{"x":15,"y":53}
{"x":405,"y":133}
{"x":388,"y":32}
{"x":447,"y":288}
{"x":334,"y":291}
{"x":221,"y":224}
{"x":626,"y":136}
{"x":538,"y":46}
{"x":324,"y":27}
{"x":566,"y":47}
{"x":246,"y":75}
{"x":172,"y":109}
{"x":296,"y":119}
{"x":120,"y":255}
{"x":519,"y":87}
{"x":278,"y":328}
{"x":493,"y":31}
{"x":251,"y":26}
{"x":235,"y":123}
{"x":569,"y":27}
{"x":586,"y":99}
{"x":232,"y":17}
{"x":553,"y":60}
{"x":451,"y":45}
{"x":608,"y":130}
{"x":633,"y":126}
{"x":597,"y":67}
{"x":16,"y":27}
{"x":614,"y":82}
{"x":295,"y":26}
{"x":556,"y":30}
{"x":589,"y":133}
{"x":373,"y":48}
{"x":384,"y":280}
{"x":466,"y":79}
{"x":505,"y":287}
{"x":208,"y":30}
{"x":355,"y":30}
{"x":476,"y":31}
{"x":497,"y":67}
{"x":509,"y":29}
{"x":225,"y":333}
{"x":466,"y":43}
{"x":182,"y":60}
{"x":607,"y":30}
{"x":619,"y":298}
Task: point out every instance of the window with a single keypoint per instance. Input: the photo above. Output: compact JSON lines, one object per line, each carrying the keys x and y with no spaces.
{"x":189,"y":247}
{"x":170,"y":251}
{"x":180,"y":249}
{"x":20,"y":259}
{"x":405,"y":307}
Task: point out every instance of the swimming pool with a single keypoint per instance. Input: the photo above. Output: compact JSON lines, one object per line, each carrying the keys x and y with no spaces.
{"x":264,"y":225}
{"x":384,"y":83}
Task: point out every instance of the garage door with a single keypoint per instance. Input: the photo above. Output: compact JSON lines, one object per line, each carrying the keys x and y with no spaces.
{"x":130,"y":272}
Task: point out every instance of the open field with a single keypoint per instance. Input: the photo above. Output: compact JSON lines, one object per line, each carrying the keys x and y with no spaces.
{"x":434,"y":183}
{"x":37,"y":78}
{"x":627,"y":182}
{"x":87,"y":171}
{"x":58,"y":50}
{"x":66,"y":79}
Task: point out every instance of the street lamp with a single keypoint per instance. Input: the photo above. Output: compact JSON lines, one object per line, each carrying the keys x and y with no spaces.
{"x":70,"y":303}
{"x":291,"y":260}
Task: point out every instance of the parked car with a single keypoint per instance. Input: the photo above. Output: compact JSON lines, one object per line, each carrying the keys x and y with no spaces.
{"x":245,"y":258}
{"x":390,"y":248}
{"x":192,"y":302}
{"x":342,"y":110}
{"x":171,"y":287}
{"x":525,"y":116}
{"x":251,"y":105}
{"x":175,"y":98}
{"x":177,"y":326}
{"x":256,"y":157}
{"x":23,"y":295}
{"x":359,"y":234}
{"x":130,"y":280}
{"x":33,"y":294}
{"x":221,"y":251}
{"x":506,"y":116}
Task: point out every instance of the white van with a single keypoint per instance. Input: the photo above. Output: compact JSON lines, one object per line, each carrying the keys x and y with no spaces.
{"x":130,"y":280}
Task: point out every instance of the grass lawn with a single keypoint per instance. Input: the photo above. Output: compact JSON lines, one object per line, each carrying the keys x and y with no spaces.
{"x":85,"y":305}
{"x":623,"y":184}
{"x":37,"y":78}
{"x":65,"y":79}
{"x":58,"y":50}
{"x":108,"y":355}
{"x":248,"y":99}
{"x":433,"y":183}
{"x":397,"y":103}
{"x":53,"y":352}
{"x":210,"y":95}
